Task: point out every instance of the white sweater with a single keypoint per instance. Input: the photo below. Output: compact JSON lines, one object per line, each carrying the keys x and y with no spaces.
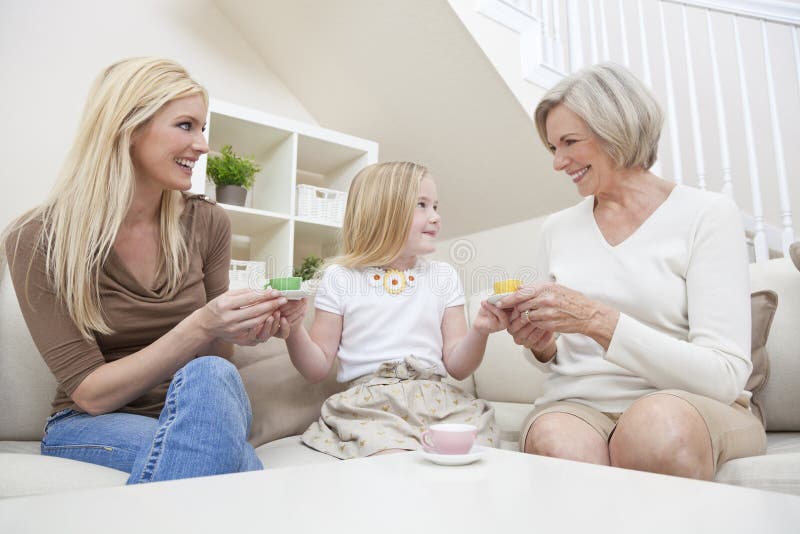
{"x":681,"y":285}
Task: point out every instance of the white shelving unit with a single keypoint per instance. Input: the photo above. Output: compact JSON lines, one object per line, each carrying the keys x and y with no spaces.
{"x":290,"y":152}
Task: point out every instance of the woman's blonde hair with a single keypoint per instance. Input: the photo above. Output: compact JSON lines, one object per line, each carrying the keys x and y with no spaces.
{"x":616,"y":106}
{"x":95,"y":187}
{"x":379,"y":213}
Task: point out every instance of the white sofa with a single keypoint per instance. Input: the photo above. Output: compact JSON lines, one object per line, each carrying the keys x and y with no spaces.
{"x":283,"y":404}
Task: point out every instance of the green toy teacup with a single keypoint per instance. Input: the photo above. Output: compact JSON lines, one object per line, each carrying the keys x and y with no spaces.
{"x":284,"y":284}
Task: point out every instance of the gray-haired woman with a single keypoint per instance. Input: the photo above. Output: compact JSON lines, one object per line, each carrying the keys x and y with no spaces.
{"x":642,"y":319}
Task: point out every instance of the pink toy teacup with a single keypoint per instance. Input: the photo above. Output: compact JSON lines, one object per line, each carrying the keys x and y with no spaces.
{"x":449,"y":438}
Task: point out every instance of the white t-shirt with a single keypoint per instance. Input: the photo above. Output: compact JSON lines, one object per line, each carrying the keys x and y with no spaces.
{"x":681,"y":285}
{"x":388,"y":315}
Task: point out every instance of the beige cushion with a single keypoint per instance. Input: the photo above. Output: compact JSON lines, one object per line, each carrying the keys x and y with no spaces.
{"x":771,"y":473}
{"x":28,"y":474}
{"x":509,"y":417}
{"x":290,"y":451}
{"x":21,"y":447}
{"x":762,"y":306}
{"x":781,"y":395}
{"x":26,"y":385}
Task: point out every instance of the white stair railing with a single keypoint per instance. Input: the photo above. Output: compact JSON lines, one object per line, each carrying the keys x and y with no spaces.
{"x":598,"y":30}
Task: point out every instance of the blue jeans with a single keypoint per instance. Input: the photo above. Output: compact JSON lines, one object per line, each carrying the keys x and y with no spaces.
{"x":202,"y":430}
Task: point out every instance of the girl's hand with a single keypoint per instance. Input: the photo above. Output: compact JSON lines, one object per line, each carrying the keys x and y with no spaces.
{"x":292,"y":314}
{"x":241,"y":316}
{"x":490,"y":319}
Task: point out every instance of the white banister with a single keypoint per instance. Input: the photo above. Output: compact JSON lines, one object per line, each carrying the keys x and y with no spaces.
{"x":777,"y":144}
{"x":593,"y":33}
{"x":722,"y":127}
{"x":677,"y":170}
{"x":759,"y":237}
{"x":557,"y":44}
{"x":697,"y":136}
{"x":604,"y":32}
{"x":526,"y":6}
{"x":575,"y":38}
{"x":796,"y":46}
{"x":648,"y":79}
{"x":626,"y":55}
{"x":779,"y":11}
{"x":544,"y":25}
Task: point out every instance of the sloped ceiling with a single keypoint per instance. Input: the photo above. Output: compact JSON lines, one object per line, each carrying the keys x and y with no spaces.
{"x":409,"y":75}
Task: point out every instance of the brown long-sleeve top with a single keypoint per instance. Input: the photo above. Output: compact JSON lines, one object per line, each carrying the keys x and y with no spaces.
{"x":137,"y":315}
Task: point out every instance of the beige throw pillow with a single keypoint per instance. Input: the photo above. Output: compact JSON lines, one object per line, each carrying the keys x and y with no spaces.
{"x":794,"y":253}
{"x":762,"y":305}
{"x":283,"y":403}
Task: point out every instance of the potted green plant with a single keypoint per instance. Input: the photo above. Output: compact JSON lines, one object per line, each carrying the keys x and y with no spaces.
{"x":232,"y":174}
{"x":309,"y":267}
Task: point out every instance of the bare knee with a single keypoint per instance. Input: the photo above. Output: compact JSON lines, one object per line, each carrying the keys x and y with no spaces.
{"x":663,"y":434}
{"x":565,"y":436}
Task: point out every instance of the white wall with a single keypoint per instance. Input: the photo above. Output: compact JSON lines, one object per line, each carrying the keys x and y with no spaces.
{"x":491,"y":255}
{"x":502,"y":47}
{"x":51,"y":51}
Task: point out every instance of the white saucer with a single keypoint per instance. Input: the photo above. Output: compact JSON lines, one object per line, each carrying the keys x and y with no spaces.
{"x":475,"y":454}
{"x":296,"y":294}
{"x":494,"y":299}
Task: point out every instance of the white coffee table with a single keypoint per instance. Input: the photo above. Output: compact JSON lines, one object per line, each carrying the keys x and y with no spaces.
{"x":504,"y":492}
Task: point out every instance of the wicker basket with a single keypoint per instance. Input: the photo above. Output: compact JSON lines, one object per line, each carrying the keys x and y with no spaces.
{"x":324,"y":205}
{"x":247,"y":274}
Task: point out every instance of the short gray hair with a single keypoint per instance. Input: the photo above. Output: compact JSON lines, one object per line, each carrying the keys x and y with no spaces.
{"x":616,"y":106}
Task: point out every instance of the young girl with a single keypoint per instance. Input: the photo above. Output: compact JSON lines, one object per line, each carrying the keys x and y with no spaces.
{"x":396,"y":322}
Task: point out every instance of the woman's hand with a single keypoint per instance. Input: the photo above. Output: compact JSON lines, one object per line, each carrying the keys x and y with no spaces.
{"x":552,"y":308}
{"x":241,"y":316}
{"x":490,"y":319}
{"x":542,"y":342}
{"x":292,"y":314}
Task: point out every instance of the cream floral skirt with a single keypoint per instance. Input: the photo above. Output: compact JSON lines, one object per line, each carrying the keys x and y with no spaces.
{"x":390,"y":409}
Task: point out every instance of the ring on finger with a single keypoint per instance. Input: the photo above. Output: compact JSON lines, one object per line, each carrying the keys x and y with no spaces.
{"x":526,"y":315}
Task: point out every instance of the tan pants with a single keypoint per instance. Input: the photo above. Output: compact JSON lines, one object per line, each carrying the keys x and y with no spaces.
{"x":735,"y":432}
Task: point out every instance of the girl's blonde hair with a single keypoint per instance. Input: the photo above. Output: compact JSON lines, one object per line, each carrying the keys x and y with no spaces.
{"x":616,"y":106}
{"x":95,"y":187}
{"x":379,"y":213}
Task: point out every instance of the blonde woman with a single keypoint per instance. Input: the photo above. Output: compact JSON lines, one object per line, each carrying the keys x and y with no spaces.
{"x":647,"y":284}
{"x":396,"y":323}
{"x":123,"y":282}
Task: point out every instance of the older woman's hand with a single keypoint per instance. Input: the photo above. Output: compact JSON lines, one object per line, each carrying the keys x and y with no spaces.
{"x":555,"y":308}
{"x":542,"y":342}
